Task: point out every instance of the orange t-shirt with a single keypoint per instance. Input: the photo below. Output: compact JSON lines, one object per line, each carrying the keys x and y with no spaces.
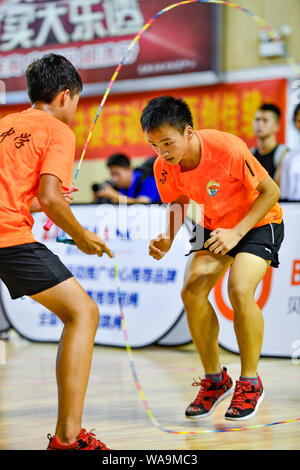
{"x":32,"y":143}
{"x":224,"y":182}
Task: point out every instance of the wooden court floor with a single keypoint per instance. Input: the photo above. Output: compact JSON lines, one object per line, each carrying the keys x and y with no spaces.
{"x":113,"y":406}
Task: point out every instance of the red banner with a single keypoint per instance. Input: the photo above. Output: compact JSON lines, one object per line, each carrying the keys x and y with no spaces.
{"x":94,"y":34}
{"x":227,"y":107}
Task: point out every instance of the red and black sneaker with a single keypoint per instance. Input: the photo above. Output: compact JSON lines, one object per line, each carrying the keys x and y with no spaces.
{"x":85,"y":441}
{"x":210,"y":395}
{"x":245,"y":401}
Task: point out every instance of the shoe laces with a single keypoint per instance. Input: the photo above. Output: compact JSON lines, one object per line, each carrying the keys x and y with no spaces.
{"x":242,"y":389}
{"x":206,"y":387}
{"x":90,"y":439}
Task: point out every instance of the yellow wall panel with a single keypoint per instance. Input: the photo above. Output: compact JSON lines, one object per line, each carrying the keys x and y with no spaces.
{"x":240,"y":32}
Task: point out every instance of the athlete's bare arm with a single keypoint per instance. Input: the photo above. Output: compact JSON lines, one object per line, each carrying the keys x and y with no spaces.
{"x":57,"y":209}
{"x":36,"y":207}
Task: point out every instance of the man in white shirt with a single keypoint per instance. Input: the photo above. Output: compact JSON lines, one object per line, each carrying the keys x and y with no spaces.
{"x":290,"y":170}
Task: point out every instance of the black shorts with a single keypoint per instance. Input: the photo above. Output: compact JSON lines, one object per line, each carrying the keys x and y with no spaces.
{"x":30,"y":268}
{"x":263,"y":241}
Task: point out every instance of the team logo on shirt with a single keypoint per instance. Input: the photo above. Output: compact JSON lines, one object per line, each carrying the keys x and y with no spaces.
{"x":212,"y":188}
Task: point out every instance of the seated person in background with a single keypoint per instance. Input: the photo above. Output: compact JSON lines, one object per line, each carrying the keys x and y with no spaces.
{"x":269,"y":152}
{"x":134,"y":186}
{"x":290,"y":172}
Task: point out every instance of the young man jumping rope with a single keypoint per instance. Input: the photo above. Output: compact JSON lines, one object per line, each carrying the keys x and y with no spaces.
{"x":242,"y":229}
{"x":37,"y":150}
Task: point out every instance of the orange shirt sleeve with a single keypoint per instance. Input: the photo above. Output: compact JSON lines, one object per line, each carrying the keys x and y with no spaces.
{"x":164,"y":181}
{"x":59,"y":157}
{"x":245,"y":167}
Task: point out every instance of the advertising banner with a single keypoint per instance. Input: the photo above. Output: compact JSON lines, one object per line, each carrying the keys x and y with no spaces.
{"x":278,"y":296}
{"x":227,"y":107}
{"x":150,"y":291}
{"x":4,"y":325}
{"x":94,"y":34}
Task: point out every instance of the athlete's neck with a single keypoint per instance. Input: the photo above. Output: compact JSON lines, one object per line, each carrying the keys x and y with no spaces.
{"x":193,"y":156}
{"x":43,"y":107}
{"x":267,"y":144}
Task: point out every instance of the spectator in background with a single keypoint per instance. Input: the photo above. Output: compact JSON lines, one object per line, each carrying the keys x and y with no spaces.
{"x":290,"y":172}
{"x":134,"y":186}
{"x":269,"y":152}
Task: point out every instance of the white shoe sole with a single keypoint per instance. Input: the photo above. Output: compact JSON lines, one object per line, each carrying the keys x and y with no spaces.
{"x":210,"y":412}
{"x":243,"y":418}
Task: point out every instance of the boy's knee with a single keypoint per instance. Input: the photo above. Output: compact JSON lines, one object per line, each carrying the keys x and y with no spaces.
{"x":86,"y":312}
{"x":93,"y":312}
{"x":195,"y":289}
{"x":239,"y":293}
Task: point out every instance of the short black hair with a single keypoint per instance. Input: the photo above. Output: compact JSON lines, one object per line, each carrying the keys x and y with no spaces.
{"x":118,"y":159}
{"x":166,"y":110}
{"x":296,"y":110}
{"x":271,"y":107}
{"x":48,"y":76}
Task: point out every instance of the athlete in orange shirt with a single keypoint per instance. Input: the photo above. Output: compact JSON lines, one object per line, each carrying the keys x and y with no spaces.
{"x":241,"y":227}
{"x":36,"y":162}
